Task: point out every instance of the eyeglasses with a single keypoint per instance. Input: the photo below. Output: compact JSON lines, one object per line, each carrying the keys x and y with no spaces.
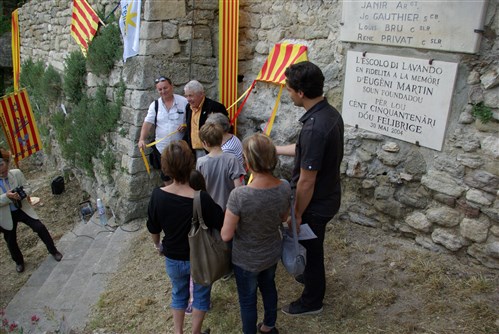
{"x":161,"y":79}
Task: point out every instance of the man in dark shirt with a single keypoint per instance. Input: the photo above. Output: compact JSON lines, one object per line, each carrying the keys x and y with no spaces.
{"x":196,"y":113}
{"x":316,"y":176}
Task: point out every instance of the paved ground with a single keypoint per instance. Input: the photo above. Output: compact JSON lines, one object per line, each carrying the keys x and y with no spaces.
{"x":62,"y":293}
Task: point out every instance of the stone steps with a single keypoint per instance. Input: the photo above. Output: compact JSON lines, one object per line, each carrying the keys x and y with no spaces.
{"x":62,"y":293}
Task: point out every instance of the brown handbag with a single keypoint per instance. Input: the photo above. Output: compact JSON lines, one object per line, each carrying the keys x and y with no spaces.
{"x":209,"y":254}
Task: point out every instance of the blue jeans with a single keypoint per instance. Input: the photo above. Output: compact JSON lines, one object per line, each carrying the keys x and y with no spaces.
{"x":247,"y":283}
{"x":180,"y":273}
{"x":315,"y":274}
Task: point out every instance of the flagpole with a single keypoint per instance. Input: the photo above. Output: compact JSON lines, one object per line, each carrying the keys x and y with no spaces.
{"x":112,"y":12}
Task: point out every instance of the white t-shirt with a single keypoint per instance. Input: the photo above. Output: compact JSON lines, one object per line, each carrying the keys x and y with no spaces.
{"x":168,"y":120}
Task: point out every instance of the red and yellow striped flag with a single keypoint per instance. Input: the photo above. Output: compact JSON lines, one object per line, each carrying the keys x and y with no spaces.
{"x":84,"y":24}
{"x":19,"y":125}
{"x":228,"y":27}
{"x":16,"y":54}
{"x":279,"y":59}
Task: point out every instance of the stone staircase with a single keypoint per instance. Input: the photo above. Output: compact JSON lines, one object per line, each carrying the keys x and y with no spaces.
{"x":62,"y":293}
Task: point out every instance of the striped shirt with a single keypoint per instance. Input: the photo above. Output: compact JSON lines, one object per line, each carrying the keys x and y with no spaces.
{"x":234,"y":146}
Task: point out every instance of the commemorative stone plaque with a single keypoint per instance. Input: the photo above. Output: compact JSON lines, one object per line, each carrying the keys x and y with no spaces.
{"x":437,"y":25}
{"x":400,"y":97}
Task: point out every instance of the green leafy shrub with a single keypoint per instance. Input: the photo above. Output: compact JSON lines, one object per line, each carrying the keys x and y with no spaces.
{"x":105,"y":49}
{"x":482,"y":112}
{"x":80,"y":132}
{"x":74,"y":76}
{"x":51,"y":85}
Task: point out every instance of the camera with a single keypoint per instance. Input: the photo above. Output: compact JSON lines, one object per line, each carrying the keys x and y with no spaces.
{"x":22,"y":194}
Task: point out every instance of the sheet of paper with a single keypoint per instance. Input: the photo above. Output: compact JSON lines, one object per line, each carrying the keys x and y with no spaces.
{"x":306,"y":232}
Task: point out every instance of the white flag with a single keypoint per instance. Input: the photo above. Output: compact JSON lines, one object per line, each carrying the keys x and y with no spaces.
{"x":130,"y":27}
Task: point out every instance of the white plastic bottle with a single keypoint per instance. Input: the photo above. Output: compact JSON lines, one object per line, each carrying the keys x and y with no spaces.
{"x":101,"y":209}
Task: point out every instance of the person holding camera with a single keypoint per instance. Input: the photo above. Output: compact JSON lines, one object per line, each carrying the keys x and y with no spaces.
{"x":15,"y":207}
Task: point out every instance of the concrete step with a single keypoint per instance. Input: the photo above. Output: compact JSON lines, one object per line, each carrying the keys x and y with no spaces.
{"x":62,"y":293}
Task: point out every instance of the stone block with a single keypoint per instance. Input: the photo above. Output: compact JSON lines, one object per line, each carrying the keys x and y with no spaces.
{"x":127,"y":146}
{"x":474,"y":229}
{"x":142,"y":99}
{"x":467,"y":209}
{"x":490,"y":79}
{"x":479,"y":197}
{"x":444,"y":216}
{"x":164,"y":10}
{"x":475,"y":94}
{"x":184,"y":33}
{"x":427,"y":242}
{"x":169,"y":30}
{"x":418,"y":221}
{"x":490,"y":146}
{"x":415,"y":163}
{"x":447,"y":239}
{"x":449,"y":164}
{"x":369,"y":184}
{"x":390,"y":208}
{"x":491,"y":97}
{"x":362,"y":220}
{"x":467,"y":141}
{"x":150,"y":30}
{"x":383,"y":191}
{"x":487,"y":254}
{"x":442,"y":183}
{"x":414,"y":197}
{"x":483,"y":180}
{"x":391,"y":158}
{"x":492,"y":213}
{"x":355,"y":167}
{"x":133,"y":165}
{"x":164,"y":47}
{"x":134,"y":186}
{"x":133,"y":116}
{"x":470,"y":160}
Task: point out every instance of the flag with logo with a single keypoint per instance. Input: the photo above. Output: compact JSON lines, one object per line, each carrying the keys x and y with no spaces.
{"x":19,"y":125}
{"x":16,"y":55}
{"x":84,"y":24}
{"x":130,"y":27}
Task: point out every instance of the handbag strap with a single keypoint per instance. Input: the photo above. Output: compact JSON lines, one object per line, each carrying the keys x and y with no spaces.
{"x":197,"y":212}
{"x":293,"y":219}
{"x":293,"y":224}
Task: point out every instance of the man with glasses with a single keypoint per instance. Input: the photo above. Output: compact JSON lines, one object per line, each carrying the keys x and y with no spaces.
{"x":197,"y":112}
{"x":166,"y":115}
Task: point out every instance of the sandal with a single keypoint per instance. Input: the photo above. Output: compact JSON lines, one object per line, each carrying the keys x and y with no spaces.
{"x":272,"y":331}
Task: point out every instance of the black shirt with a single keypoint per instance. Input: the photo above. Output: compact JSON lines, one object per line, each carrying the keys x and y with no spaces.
{"x":172,"y":214}
{"x":320,"y":148}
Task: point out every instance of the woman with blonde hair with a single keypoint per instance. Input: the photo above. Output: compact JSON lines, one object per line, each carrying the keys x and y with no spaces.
{"x":170,"y":211}
{"x":253,"y":219}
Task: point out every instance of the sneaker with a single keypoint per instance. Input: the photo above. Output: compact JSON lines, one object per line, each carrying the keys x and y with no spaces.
{"x":296,"y":308}
{"x":272,"y":331}
{"x":206,"y":331}
{"x":20,"y":267}
{"x":188,"y":309}
{"x":300,"y":279}
{"x":57,"y":256}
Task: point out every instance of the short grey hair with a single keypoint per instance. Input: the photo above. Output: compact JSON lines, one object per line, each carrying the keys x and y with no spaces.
{"x":194,"y":86}
{"x":221,"y":119}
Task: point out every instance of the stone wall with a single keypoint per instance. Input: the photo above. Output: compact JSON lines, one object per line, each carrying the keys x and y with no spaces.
{"x":446,"y":201}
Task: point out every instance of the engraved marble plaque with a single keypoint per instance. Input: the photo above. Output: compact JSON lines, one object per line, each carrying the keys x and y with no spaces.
{"x":399,"y":97}
{"x":430,"y":24}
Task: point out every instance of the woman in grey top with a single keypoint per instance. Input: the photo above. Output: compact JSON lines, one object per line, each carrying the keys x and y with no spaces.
{"x":253,"y":218}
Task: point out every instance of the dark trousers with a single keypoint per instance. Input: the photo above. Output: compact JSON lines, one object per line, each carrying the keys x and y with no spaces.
{"x":37,"y":227}
{"x":315,"y":274}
